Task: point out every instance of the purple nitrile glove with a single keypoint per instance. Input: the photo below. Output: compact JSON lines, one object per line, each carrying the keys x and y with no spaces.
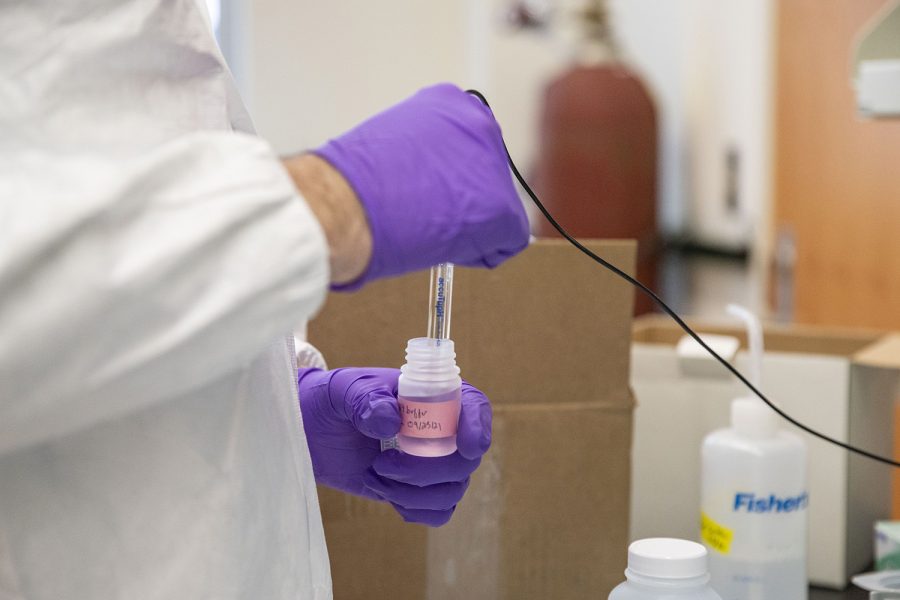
{"x":345,"y":414}
{"x":432,"y":175}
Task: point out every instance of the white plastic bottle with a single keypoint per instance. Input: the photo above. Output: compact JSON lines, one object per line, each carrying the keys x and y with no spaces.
{"x":665,"y":569}
{"x":754,"y":498}
{"x":429,"y":398}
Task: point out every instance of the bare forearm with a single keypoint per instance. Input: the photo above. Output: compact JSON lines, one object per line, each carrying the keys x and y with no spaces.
{"x":339,"y":212}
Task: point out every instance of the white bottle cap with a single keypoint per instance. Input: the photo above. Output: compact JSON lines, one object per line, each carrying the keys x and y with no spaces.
{"x":667,"y":558}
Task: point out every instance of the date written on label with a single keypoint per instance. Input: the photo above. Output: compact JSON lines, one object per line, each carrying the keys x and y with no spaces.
{"x":428,"y":419}
{"x":418,"y":419}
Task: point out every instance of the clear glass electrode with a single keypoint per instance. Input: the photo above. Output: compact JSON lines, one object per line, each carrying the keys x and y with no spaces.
{"x":439,"y":301}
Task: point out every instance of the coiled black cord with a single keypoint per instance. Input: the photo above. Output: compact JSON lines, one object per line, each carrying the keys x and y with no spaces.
{"x":676,"y":318}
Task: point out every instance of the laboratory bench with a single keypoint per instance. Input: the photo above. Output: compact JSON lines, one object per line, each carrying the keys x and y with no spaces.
{"x":851,"y":593}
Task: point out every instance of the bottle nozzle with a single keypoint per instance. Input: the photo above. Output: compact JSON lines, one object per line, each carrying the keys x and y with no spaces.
{"x":754,"y":340}
{"x":750,"y":415}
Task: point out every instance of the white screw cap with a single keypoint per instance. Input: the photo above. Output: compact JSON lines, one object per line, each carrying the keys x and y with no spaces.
{"x":667,"y":558}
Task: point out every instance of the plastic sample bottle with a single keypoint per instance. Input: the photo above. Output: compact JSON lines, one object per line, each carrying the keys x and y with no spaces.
{"x":754,"y":499}
{"x":429,"y":398}
{"x":665,"y":569}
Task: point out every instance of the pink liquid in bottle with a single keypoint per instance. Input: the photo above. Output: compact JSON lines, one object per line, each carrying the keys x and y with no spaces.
{"x":429,"y":423}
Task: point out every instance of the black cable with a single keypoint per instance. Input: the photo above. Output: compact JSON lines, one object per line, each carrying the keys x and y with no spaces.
{"x":676,"y":318}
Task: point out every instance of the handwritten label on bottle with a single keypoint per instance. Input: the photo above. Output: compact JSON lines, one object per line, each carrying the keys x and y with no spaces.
{"x":428,"y":419}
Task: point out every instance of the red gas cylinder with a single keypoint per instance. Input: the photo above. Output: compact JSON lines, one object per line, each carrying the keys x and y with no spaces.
{"x":596,"y":170}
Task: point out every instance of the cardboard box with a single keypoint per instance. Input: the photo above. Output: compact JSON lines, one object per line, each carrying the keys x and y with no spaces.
{"x":546,"y":337}
{"x":841,"y":383}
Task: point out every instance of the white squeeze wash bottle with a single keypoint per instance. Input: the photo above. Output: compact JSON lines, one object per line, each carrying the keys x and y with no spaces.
{"x":754,"y":498}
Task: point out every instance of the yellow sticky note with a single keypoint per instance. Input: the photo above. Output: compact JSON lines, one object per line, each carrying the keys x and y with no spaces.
{"x":717,"y":536}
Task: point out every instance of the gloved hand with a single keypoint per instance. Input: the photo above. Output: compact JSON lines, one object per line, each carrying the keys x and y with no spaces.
{"x":432,"y":175}
{"x":345,"y":414}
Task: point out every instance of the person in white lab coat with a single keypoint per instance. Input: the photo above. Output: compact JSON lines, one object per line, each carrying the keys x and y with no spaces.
{"x":154,"y":254}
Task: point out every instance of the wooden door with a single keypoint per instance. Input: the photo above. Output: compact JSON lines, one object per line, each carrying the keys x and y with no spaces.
{"x":837,"y":177}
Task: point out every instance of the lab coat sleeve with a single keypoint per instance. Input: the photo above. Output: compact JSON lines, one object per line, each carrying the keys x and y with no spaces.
{"x":125,"y":281}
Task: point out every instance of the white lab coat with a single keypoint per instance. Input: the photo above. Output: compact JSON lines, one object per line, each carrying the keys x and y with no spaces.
{"x":152,"y":263}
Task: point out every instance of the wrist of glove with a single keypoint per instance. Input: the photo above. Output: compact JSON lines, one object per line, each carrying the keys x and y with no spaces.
{"x":432,"y":175}
{"x":346,"y":412}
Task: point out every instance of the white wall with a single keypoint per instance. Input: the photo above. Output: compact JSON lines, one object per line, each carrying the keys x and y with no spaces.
{"x":313,"y":69}
{"x":654,"y":36}
{"x":728,"y":85}
{"x":317,"y":68}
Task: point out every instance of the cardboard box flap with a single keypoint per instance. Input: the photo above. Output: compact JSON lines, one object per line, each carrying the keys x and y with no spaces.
{"x":659,"y":329}
{"x":561,"y":319}
{"x":884,"y":353}
{"x":560,"y":322}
